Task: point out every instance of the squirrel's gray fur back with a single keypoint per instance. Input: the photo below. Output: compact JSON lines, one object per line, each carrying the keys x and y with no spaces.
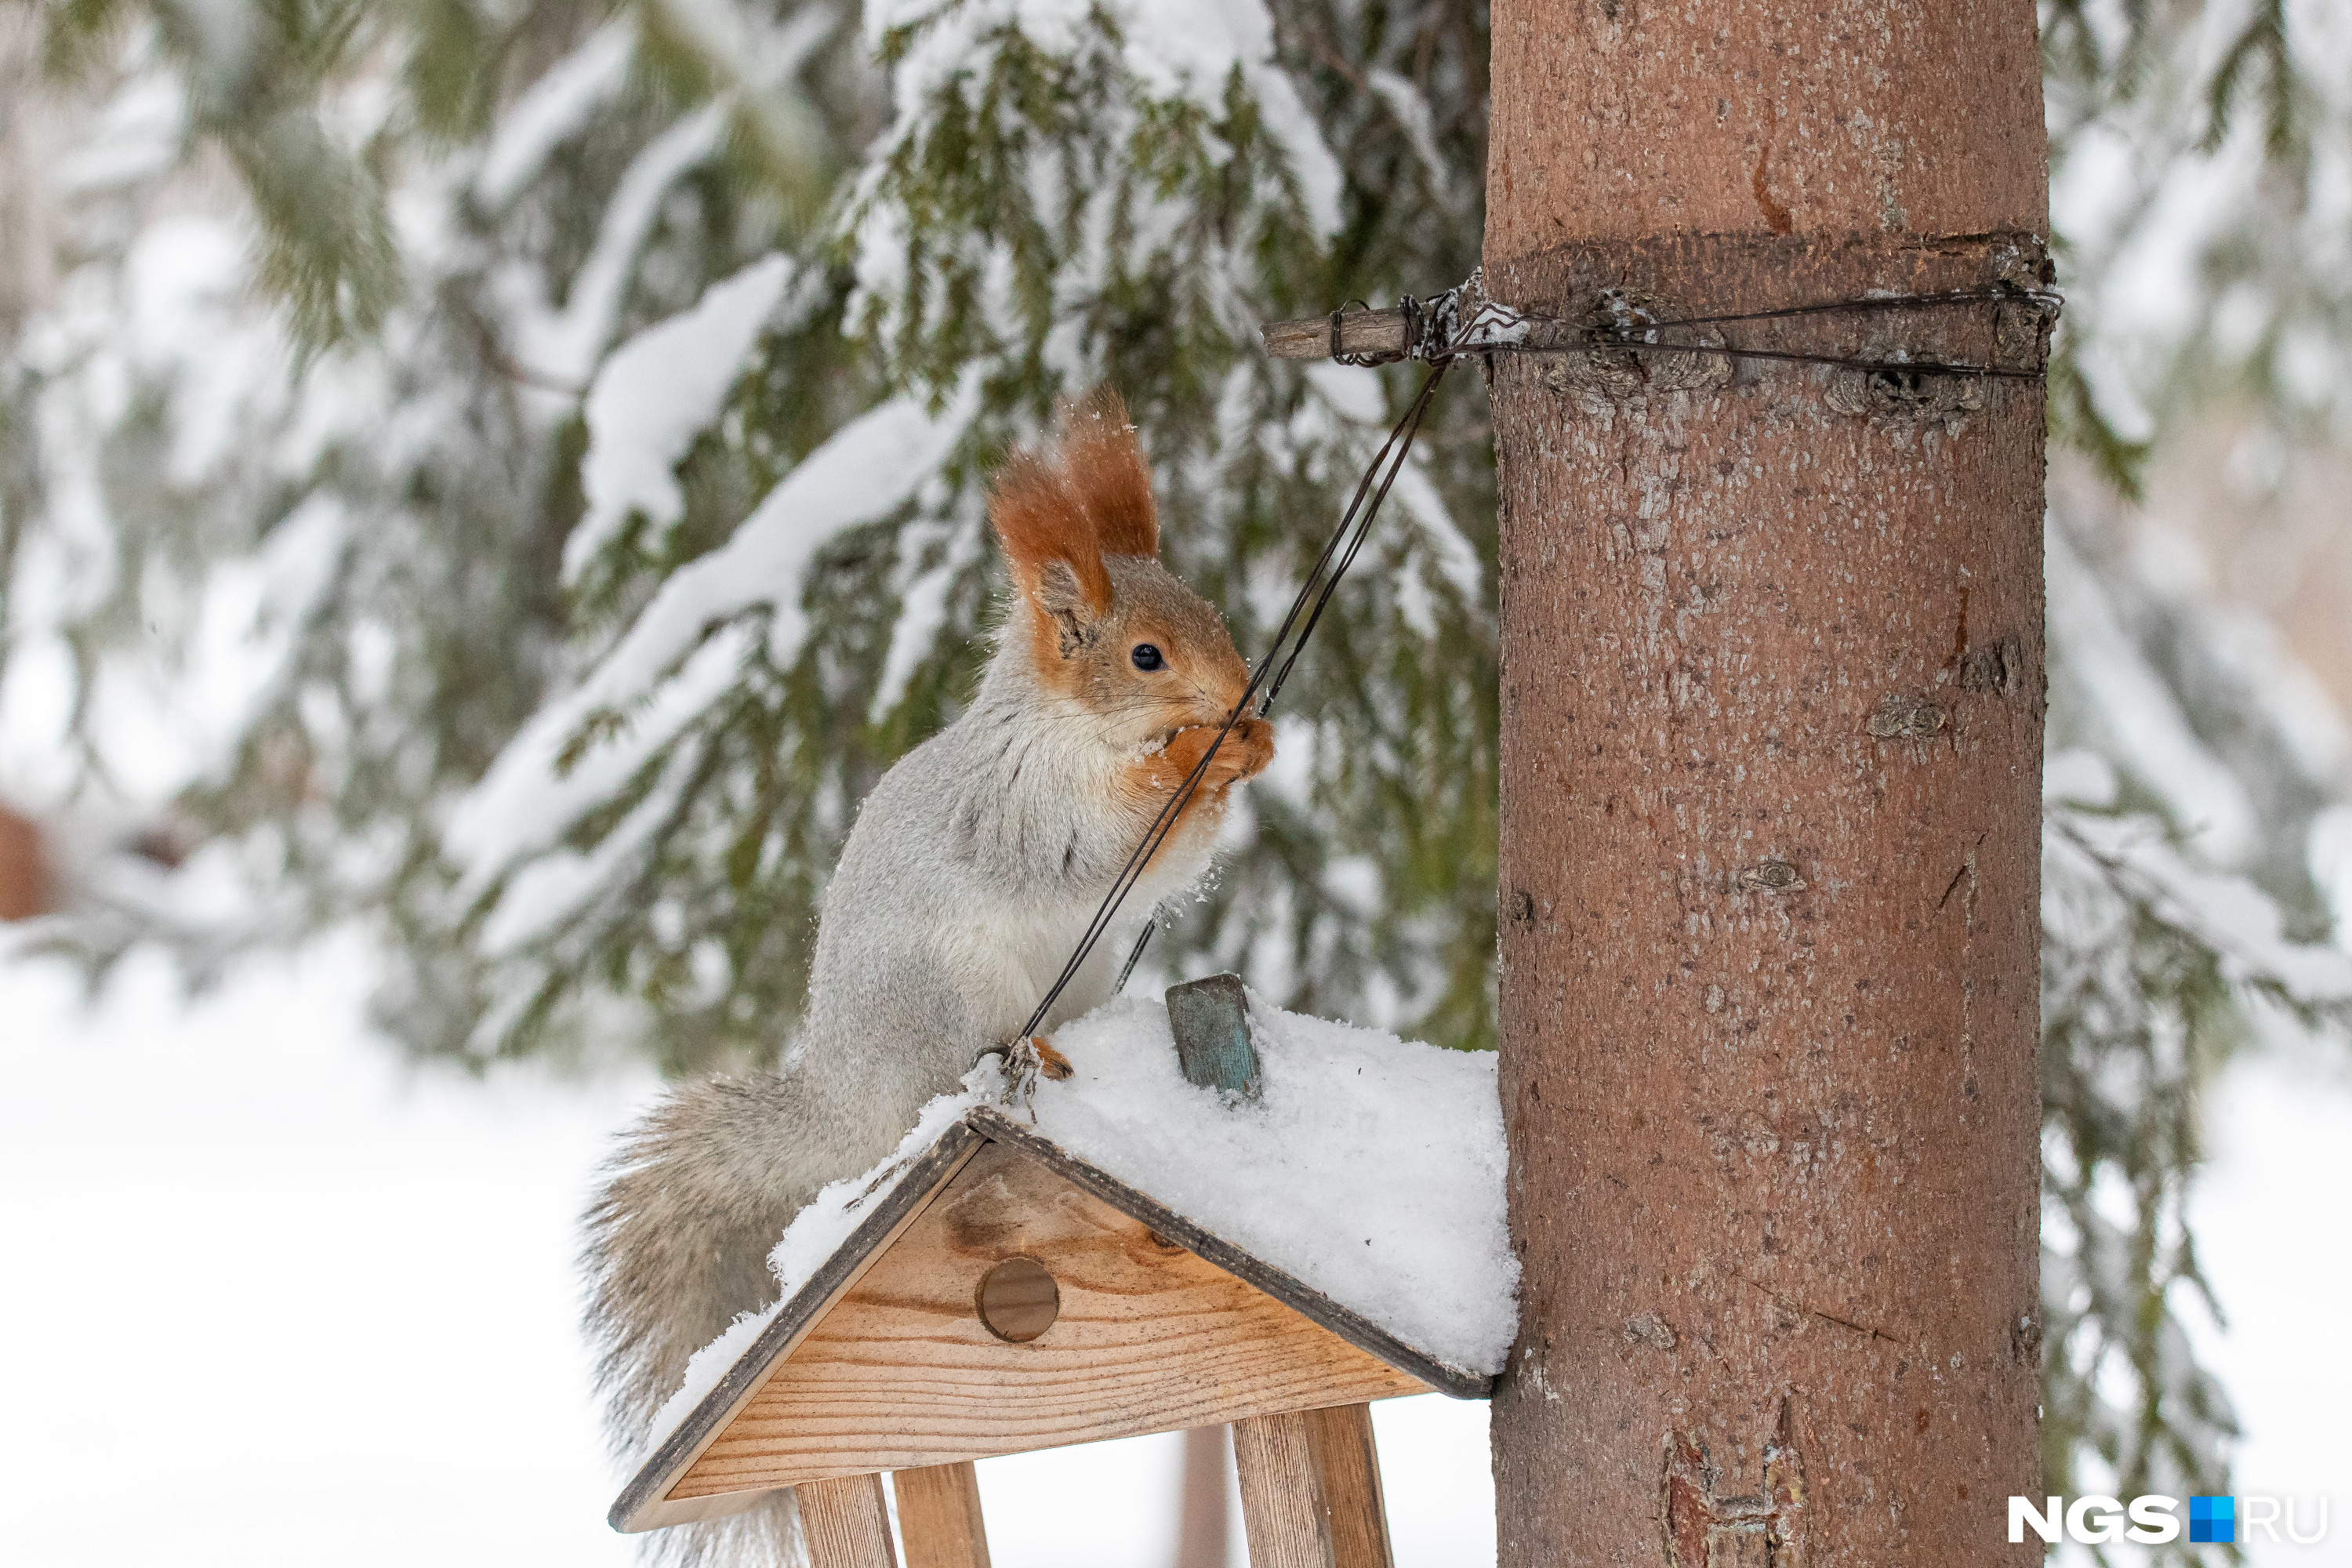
{"x":975,"y":866}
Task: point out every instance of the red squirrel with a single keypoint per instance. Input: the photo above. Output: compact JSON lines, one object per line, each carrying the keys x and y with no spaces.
{"x":975,"y":866}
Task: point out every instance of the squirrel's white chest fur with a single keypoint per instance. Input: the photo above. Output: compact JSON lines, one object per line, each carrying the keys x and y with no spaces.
{"x":973,"y":871}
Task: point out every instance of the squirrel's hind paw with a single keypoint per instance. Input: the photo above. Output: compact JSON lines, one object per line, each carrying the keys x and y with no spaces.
{"x":1025,"y":1062}
{"x":1036,"y":1055}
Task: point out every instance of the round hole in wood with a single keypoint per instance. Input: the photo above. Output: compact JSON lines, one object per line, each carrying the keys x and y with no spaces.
{"x":1019,"y":1300}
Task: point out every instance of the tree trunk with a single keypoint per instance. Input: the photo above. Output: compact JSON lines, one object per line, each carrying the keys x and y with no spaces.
{"x":1772,"y":689}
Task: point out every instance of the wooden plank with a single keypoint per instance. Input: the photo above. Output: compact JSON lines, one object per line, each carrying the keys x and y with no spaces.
{"x":939,"y":1516}
{"x":1349,"y":1465}
{"x":1150,"y":1338}
{"x":1284,"y":1287}
{"x":847,"y":1523}
{"x":642,"y":1504}
{"x":1310,"y":1483}
{"x":1283,"y":1510}
{"x":1360,"y":332}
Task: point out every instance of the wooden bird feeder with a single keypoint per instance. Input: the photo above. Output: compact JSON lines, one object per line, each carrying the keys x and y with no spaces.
{"x":1007,"y":1296}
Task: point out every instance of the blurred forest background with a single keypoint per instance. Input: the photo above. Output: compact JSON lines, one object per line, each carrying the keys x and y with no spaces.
{"x":501,"y":479}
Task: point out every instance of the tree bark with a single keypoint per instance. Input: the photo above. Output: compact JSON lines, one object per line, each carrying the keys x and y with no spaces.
{"x":1773,"y":691}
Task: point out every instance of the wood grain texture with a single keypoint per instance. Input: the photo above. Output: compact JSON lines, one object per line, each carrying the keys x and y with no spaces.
{"x":847,"y":1523}
{"x":939,"y":1516}
{"x":1283,"y":1510}
{"x":1349,"y":1325}
{"x":1360,"y":332}
{"x":1772,"y":716}
{"x":1347,"y":1463}
{"x":1310,"y":1485}
{"x":902,"y":1373}
{"x":644,"y":1503}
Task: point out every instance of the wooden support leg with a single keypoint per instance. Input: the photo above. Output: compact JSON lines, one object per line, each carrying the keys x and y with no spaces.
{"x":1351,"y":1468}
{"x":1311,"y":1489}
{"x":846,"y":1522}
{"x":939,"y":1517}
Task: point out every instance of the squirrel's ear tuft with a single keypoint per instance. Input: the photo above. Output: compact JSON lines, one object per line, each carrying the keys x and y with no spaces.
{"x":1107,"y":468}
{"x":1042,"y":521}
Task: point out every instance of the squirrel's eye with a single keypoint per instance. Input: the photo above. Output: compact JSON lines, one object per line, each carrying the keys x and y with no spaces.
{"x":1146,"y":657}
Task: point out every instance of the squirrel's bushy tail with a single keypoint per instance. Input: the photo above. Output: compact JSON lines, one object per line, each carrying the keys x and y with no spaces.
{"x":767,"y":1534}
{"x":675,"y":1247}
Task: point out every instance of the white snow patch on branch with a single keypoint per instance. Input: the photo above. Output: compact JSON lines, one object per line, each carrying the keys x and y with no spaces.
{"x":565,"y":345}
{"x":1412,"y":112}
{"x":1173,"y":51}
{"x":553,"y":110}
{"x":923,"y":610}
{"x":551,"y":889}
{"x":871,"y":467}
{"x":2226,"y":913}
{"x":656,"y":394}
{"x":2151,"y":735}
{"x":527,"y":803}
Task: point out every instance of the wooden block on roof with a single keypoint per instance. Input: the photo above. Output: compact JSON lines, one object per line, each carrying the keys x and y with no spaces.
{"x":1210,"y":1020}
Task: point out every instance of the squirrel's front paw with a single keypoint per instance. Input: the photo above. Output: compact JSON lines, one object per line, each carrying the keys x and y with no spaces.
{"x":1247,"y":748}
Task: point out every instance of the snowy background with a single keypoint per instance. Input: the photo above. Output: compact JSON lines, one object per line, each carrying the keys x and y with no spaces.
{"x":360,"y":434}
{"x":274,"y":1266}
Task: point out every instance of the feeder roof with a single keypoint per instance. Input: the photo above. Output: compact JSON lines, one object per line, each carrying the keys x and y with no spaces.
{"x":1363,"y":1189}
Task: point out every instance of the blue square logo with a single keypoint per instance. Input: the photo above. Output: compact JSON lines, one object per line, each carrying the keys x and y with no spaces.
{"x":2213,"y":1519}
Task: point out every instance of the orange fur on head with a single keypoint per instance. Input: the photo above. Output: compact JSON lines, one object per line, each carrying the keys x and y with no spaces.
{"x":1041,"y":522}
{"x":1106,"y":467}
{"x":1087,"y":496}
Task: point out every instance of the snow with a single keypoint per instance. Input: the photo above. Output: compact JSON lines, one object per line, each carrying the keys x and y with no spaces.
{"x":525,"y":803}
{"x":2226,"y":913}
{"x":1371,"y":1169}
{"x":366,"y":1273}
{"x":2278,"y":1147}
{"x":2151,"y":734}
{"x":1412,"y":116}
{"x":553,"y":110}
{"x":923,"y":608}
{"x":655,"y":395}
{"x":255,"y":1229}
{"x":386,"y":1256}
{"x":1173,"y":52}
{"x":563,"y":346}
{"x":548,"y":891}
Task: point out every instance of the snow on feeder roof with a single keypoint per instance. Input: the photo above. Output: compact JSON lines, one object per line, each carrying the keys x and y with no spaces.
{"x":1133,"y":1253}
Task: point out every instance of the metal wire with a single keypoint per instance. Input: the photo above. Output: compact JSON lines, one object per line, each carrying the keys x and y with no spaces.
{"x":1438,"y":318}
{"x":1355,"y":525}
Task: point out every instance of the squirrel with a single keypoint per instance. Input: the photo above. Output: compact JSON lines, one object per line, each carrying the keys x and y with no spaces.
{"x":975,"y":864}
